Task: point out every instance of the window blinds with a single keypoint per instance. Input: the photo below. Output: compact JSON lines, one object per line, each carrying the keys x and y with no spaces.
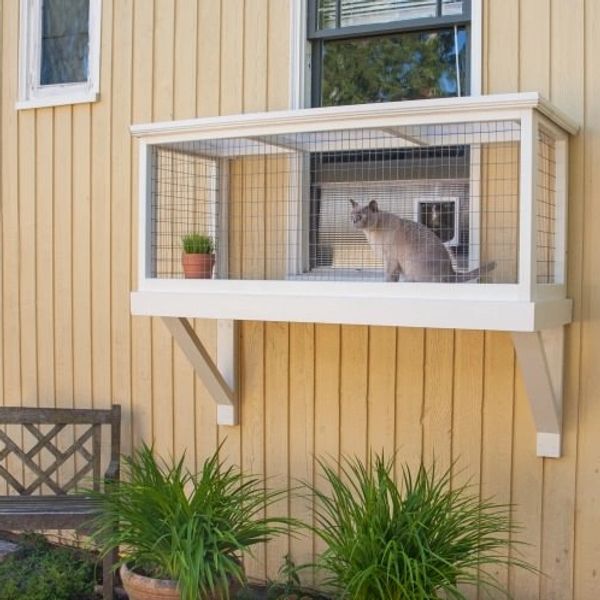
{"x":363,"y":12}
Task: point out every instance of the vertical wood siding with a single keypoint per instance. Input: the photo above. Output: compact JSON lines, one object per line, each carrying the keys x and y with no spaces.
{"x":69,"y":239}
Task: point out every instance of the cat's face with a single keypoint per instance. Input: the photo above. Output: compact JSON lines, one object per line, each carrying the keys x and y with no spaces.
{"x":363,"y":217}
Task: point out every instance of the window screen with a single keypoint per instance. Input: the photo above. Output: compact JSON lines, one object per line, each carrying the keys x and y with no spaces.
{"x":335,"y":244}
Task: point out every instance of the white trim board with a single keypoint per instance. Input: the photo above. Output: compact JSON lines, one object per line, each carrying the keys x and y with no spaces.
{"x":372,"y":310}
{"x":540,"y":355}
{"x":219,"y":379}
{"x":412,"y":112}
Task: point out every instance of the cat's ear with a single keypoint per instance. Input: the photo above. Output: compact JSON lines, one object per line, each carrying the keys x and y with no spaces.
{"x":373,"y":206}
{"x":354,"y":204}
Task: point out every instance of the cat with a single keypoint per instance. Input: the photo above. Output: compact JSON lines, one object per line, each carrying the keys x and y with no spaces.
{"x":410,"y":251}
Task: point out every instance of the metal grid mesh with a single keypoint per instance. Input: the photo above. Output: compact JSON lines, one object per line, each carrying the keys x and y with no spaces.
{"x":434,"y":203}
{"x":546,"y":209}
{"x":184,"y":201}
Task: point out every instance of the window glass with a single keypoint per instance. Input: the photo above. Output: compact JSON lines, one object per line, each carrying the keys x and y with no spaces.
{"x":363,"y":12}
{"x":400,"y":66}
{"x":452,"y":7}
{"x":65,"y":41}
{"x":326,"y":18}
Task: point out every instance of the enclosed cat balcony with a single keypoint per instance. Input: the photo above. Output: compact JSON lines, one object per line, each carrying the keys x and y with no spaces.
{"x":482,"y":181}
{"x":437,"y":213}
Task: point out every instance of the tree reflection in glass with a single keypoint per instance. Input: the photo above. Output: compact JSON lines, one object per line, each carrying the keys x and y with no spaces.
{"x":402,"y":66}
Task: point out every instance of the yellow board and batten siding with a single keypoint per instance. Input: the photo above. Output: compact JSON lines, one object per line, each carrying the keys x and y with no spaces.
{"x":69,"y":240}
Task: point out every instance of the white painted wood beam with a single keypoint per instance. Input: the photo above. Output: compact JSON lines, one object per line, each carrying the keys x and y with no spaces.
{"x":540,"y":355}
{"x":220,"y":384}
{"x":227,"y":364}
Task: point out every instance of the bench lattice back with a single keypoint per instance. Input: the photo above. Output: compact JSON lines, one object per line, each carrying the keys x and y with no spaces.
{"x":36,"y":459}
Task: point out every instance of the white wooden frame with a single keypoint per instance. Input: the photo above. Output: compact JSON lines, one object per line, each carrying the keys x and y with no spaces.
{"x":31,"y":93}
{"x":306,"y":300}
{"x":534,"y":313}
{"x":218,"y":302}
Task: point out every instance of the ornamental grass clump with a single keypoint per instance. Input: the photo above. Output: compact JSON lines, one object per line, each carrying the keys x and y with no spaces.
{"x":184,"y":527}
{"x":417,"y":541}
{"x":197,"y":243}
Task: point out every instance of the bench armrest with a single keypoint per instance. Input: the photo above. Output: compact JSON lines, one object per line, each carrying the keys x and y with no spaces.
{"x":113,"y":471}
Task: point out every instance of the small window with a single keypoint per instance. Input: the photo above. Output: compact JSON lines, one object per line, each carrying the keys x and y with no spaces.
{"x":60,"y":52}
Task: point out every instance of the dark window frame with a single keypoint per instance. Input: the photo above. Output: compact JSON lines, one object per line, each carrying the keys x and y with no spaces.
{"x":316,"y":37}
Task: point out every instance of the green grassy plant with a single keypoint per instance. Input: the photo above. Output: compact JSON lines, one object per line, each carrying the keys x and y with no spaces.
{"x":40,"y":571}
{"x":289,"y":586}
{"x":197,"y":243}
{"x":189,"y":528}
{"x":418,"y":541}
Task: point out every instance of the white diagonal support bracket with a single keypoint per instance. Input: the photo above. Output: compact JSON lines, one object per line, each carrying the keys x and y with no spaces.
{"x":220,"y":378}
{"x":540,"y":355}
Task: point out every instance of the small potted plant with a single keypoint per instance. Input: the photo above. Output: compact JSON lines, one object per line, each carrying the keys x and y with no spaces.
{"x":198,"y":258}
{"x":181,"y":536}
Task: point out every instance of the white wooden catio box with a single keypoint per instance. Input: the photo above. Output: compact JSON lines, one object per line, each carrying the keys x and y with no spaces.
{"x":488,"y":175}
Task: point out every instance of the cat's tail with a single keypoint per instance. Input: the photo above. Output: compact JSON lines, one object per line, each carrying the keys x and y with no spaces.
{"x":461,"y":277}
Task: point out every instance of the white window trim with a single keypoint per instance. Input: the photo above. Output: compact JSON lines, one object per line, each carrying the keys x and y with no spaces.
{"x":476,"y":73}
{"x":33,"y":95}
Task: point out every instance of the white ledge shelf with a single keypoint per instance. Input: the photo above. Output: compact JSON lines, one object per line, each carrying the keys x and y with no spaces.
{"x":507,"y":315}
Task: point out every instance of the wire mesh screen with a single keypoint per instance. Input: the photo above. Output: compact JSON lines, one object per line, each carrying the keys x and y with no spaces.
{"x":183,"y":192}
{"x":433,"y":203}
{"x":546,"y":209}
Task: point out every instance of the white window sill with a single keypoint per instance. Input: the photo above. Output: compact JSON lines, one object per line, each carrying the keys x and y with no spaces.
{"x":58,"y":100}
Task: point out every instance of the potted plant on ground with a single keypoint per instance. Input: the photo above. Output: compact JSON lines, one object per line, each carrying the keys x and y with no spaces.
{"x":181,"y":536}
{"x":424,"y":540}
{"x":198,"y":258}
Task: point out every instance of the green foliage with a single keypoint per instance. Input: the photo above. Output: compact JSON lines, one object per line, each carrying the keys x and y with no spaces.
{"x":419,"y":542}
{"x":393,"y":67}
{"x":197,"y":243}
{"x":40,"y":571}
{"x":190,"y":528}
{"x":289,"y":586}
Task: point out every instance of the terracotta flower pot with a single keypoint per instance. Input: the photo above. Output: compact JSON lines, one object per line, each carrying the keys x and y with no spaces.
{"x":198,"y":266}
{"x":139,"y":587}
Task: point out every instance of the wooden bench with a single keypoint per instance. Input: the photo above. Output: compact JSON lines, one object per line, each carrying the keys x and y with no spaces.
{"x":31,"y":457}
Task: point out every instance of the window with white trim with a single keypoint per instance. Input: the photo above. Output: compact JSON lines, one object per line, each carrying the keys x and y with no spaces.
{"x":365,"y":52}
{"x":59,"y":52}
{"x":389,"y":50}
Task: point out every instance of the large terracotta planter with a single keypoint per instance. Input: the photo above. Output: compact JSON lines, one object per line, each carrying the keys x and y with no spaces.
{"x":139,"y":587}
{"x":197,"y":266}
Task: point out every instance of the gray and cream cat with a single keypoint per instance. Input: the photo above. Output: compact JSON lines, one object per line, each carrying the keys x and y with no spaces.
{"x":410,"y":251}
